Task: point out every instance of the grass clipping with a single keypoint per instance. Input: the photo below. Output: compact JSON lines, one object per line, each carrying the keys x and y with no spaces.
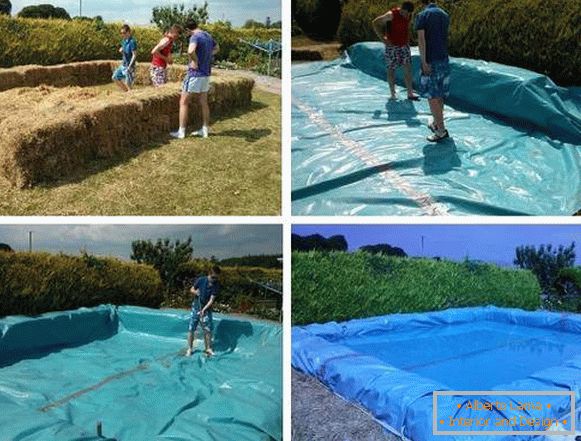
{"x":47,"y":133}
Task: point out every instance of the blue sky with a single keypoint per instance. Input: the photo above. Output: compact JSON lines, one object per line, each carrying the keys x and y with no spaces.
{"x":491,"y":243}
{"x":221,"y":241}
{"x":139,"y":11}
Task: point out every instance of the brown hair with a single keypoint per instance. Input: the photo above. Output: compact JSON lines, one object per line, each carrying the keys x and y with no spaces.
{"x":126,"y":28}
{"x":216,"y":270}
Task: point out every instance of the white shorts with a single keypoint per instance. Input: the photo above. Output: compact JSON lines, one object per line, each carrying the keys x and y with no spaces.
{"x":196,"y":84}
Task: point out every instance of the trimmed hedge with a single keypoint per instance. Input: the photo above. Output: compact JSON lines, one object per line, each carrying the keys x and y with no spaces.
{"x":539,"y":35}
{"x":49,"y":42}
{"x":318,"y":19}
{"x":36,"y":283}
{"x":341,"y":286}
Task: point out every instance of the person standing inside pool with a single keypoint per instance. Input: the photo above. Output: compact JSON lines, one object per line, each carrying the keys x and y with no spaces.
{"x":432,"y":25}
{"x":205,"y":290}
{"x":393,"y":28}
{"x":201,"y":52}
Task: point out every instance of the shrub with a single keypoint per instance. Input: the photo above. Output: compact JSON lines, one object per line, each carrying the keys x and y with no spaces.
{"x":341,"y":286}
{"x":237,"y":284}
{"x":539,"y":35}
{"x":568,"y":287}
{"x":44,"y":11}
{"x":318,"y":19}
{"x":48,"y":42}
{"x":34,"y":283}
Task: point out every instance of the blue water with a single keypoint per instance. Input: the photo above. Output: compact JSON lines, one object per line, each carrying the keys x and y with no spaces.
{"x":472,"y":356}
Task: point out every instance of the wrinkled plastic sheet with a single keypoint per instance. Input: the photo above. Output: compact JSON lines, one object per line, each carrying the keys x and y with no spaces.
{"x":61,"y":373}
{"x":515,"y":146}
{"x":391,"y":365}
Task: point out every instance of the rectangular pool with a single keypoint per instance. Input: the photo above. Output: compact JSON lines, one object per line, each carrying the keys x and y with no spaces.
{"x":391,"y":365}
{"x":63,"y":373}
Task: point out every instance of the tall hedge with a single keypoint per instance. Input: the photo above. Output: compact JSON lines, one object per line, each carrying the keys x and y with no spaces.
{"x":34,"y":283}
{"x":235,"y":281}
{"x":317,"y":18}
{"x":48,"y":42}
{"x":341,"y":286}
{"x":539,"y":35}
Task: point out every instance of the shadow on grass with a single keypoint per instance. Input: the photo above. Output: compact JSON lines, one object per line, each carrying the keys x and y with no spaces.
{"x":96,"y":166}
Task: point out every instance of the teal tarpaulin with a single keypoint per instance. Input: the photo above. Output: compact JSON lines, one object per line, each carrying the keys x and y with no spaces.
{"x":62,"y":373}
{"x":515,"y":146}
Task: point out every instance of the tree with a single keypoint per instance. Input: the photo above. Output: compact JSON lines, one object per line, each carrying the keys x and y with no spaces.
{"x":165,"y":17}
{"x":165,"y":256}
{"x":276,"y":25}
{"x":545,"y":263}
{"x":316,"y":242}
{"x":5,"y":7}
{"x":44,"y":11}
{"x":384,"y":248}
{"x":4,"y":247}
{"x":252,"y":24}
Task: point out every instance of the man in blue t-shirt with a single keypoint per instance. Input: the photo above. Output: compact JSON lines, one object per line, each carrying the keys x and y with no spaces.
{"x":205,"y":290}
{"x":432,"y":25}
{"x":201,"y":53}
{"x":124,"y":75}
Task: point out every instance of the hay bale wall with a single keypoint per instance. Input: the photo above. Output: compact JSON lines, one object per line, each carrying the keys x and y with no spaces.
{"x":48,"y":133}
{"x":83,"y":74}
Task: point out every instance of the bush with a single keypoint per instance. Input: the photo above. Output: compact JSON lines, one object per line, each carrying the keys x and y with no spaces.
{"x":49,"y":42}
{"x":318,"y":19}
{"x":341,"y":286}
{"x":539,"y":35}
{"x":44,"y":11}
{"x":568,"y":289}
{"x":236,"y":285}
{"x":36,"y":283}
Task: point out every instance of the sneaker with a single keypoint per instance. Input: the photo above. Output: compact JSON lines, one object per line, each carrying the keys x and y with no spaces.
{"x":413,"y":97}
{"x":438,"y":136}
{"x":178,"y":134}
{"x":432,"y":127}
{"x":202,"y":133}
{"x":189,"y":352}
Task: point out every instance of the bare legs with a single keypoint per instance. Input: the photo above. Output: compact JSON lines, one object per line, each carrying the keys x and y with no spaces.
{"x":124,"y":87}
{"x":207,"y":341}
{"x":408,"y":78}
{"x":185,"y":100}
{"x":437,"y":109}
{"x":203,"y":99}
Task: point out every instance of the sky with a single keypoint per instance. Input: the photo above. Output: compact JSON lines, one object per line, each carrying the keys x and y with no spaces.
{"x":139,"y":11}
{"x":490,"y":243}
{"x":221,"y":241}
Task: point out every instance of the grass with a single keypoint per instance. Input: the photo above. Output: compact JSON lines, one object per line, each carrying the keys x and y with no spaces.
{"x":237,"y":171}
{"x":305,"y":49}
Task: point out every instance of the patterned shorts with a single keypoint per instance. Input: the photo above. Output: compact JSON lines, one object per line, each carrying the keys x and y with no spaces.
{"x":207,"y":322}
{"x":158,"y":75}
{"x":397,"y":56}
{"x":437,"y":84}
{"x":122,"y":73}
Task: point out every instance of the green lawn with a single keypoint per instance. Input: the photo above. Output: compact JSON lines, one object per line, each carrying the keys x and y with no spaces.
{"x":237,"y":171}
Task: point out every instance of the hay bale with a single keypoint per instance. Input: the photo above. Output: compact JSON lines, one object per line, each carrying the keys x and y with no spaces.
{"x":11,"y":78}
{"x":47,"y":133}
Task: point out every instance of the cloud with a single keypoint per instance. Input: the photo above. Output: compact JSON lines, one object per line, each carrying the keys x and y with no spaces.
{"x":220,"y":241}
{"x":139,"y":11}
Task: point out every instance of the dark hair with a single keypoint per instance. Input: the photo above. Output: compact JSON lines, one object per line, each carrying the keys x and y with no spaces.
{"x":408,"y":6}
{"x":175,"y":28}
{"x":126,"y":28}
{"x":425,"y":2}
{"x":216,"y":270}
{"x":192,"y":25}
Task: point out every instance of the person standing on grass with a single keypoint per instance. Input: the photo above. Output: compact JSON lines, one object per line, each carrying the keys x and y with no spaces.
{"x":124,"y":75}
{"x":393,"y":28}
{"x":432,"y":25}
{"x":205,"y":290}
{"x":201,"y":52}
{"x":161,"y":57}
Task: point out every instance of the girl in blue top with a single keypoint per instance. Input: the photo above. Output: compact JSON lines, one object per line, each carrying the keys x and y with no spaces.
{"x":124,"y":75}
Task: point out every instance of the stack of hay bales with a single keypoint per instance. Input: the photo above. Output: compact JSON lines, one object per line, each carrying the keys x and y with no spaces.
{"x":47,"y":133}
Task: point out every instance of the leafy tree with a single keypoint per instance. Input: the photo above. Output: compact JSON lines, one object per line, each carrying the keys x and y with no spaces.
{"x":545,"y":262}
{"x":165,"y":256}
{"x":165,"y":17}
{"x":4,"y":247}
{"x":253,"y":24}
{"x":385,"y":249}
{"x":276,"y":25}
{"x":44,"y":11}
{"x":5,"y":7}
{"x":316,"y":242}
